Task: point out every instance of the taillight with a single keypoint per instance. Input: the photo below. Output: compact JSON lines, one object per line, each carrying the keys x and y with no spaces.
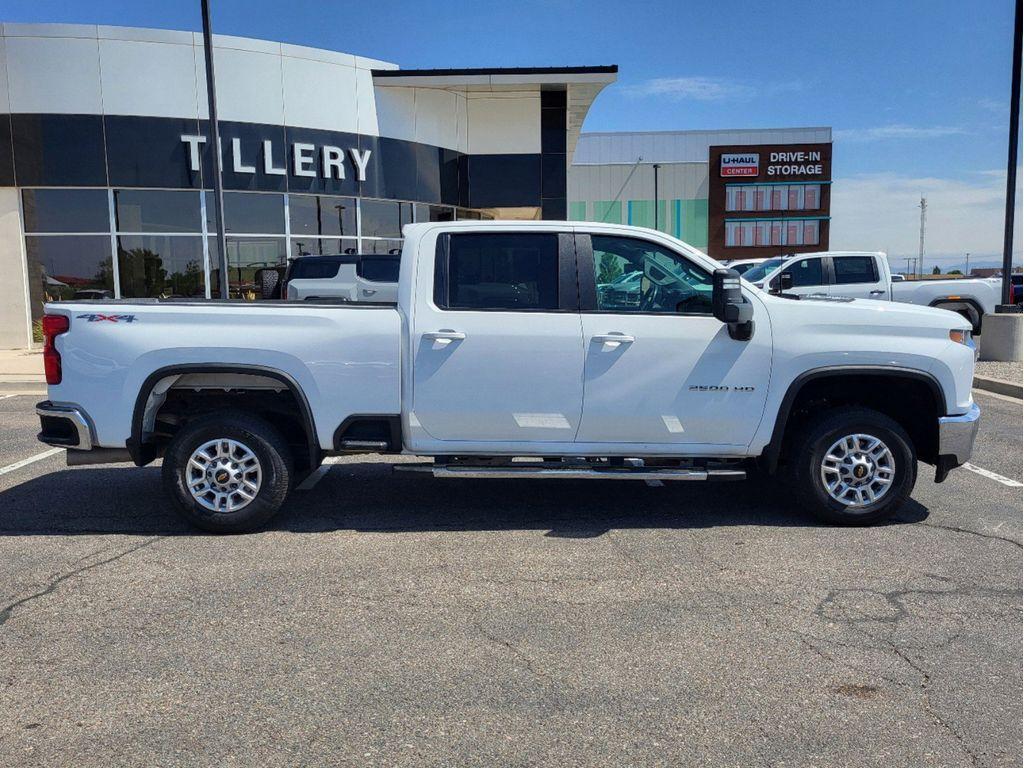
{"x":53,"y":326}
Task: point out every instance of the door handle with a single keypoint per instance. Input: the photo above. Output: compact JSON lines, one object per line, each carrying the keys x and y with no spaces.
{"x":445,"y":336}
{"x":877,"y":293}
{"x":612,"y":338}
{"x":369,"y":291}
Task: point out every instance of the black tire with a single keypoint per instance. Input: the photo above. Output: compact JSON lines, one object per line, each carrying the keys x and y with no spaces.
{"x":269,"y":448}
{"x":807,"y":451}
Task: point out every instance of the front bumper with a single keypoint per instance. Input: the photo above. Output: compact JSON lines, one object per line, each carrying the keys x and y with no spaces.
{"x":65,"y":426}
{"x":956,"y":440}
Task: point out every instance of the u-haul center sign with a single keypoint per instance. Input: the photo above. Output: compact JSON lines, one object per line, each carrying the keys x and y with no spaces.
{"x":740,"y":164}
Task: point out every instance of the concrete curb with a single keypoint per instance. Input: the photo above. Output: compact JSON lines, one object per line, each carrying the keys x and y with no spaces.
{"x":999,"y":386}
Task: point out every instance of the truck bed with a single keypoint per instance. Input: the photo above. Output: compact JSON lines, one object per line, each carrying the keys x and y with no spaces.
{"x":344,"y":357}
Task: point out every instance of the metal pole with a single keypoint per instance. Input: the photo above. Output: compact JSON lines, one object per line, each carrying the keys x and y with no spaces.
{"x":967,"y":266}
{"x":656,"y":167}
{"x":218,"y":186}
{"x":1011,"y":164}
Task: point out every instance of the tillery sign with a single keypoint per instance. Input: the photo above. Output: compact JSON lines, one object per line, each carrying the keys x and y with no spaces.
{"x":303,"y":159}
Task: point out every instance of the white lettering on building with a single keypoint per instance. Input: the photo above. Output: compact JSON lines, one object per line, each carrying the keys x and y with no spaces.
{"x":268,"y":160}
{"x":303,"y":159}
{"x":795,"y":164}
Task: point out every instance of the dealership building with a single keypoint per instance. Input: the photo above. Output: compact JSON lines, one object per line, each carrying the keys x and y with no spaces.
{"x":106,"y":164}
{"x":106,"y":159}
{"x":734,"y":194}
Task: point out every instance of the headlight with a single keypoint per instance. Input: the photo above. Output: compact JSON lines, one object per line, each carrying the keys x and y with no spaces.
{"x":961,"y":337}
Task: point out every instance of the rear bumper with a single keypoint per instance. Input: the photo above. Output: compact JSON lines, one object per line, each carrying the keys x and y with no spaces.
{"x":956,"y":440}
{"x":64,"y":425}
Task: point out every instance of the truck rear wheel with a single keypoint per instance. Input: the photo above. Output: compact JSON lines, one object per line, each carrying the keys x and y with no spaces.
{"x":853,"y":466}
{"x":228,"y":473}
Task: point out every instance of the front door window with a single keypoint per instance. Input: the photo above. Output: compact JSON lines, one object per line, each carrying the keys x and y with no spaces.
{"x":639,"y":276}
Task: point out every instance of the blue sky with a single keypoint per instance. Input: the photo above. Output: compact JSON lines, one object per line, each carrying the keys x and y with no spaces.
{"x":916,"y":92}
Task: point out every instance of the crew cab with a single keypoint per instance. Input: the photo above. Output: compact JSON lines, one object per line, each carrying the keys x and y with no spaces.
{"x":866,"y":275}
{"x":502,"y":359}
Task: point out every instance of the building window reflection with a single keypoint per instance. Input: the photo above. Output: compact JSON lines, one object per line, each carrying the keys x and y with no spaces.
{"x":320,"y":215}
{"x":384,"y":218}
{"x":323,"y":246}
{"x":155,"y":243}
{"x":65,"y":210}
{"x":165,"y":267}
{"x":144,"y":210}
{"x":246,"y":255}
{"x":68,"y":268}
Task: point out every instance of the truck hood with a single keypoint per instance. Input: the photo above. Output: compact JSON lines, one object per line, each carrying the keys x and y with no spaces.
{"x":880,"y":313}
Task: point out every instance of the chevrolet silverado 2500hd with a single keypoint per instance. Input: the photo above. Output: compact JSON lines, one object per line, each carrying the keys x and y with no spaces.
{"x":866,"y":275}
{"x":502,"y":359}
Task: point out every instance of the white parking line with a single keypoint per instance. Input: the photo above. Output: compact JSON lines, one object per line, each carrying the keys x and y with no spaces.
{"x":993,"y":476}
{"x":4,"y":397}
{"x":318,"y":475}
{"x":30,"y":460}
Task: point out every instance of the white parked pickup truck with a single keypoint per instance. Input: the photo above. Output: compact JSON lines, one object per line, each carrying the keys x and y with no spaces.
{"x":501,"y":359}
{"x":866,"y":275}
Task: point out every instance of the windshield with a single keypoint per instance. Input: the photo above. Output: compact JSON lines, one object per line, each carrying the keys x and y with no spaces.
{"x":760,"y":271}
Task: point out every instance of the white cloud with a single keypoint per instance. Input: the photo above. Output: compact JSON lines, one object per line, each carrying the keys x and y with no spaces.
{"x":697,"y":88}
{"x":880,"y":212}
{"x":896,"y":131}
{"x":998,"y":106}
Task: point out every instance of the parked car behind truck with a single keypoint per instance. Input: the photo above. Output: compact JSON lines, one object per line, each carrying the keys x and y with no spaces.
{"x":501,"y":359}
{"x":866,"y":275}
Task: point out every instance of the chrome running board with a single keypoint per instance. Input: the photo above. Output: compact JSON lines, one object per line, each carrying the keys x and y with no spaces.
{"x":571,"y":473}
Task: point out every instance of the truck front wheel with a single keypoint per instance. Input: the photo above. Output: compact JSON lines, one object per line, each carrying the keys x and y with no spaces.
{"x":852,"y":466}
{"x":228,"y":473}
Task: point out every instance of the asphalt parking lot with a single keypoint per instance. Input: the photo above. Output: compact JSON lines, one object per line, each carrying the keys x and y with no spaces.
{"x":401,"y":620}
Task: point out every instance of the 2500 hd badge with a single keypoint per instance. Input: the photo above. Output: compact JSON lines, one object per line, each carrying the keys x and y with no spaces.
{"x":718,"y":388}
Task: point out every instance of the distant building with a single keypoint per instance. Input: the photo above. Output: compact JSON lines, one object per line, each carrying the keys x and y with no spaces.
{"x":735,"y":194}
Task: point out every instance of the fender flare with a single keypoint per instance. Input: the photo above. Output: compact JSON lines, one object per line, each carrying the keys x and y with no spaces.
{"x":142,"y":453}
{"x":770,"y":455}
{"x":962,"y":300}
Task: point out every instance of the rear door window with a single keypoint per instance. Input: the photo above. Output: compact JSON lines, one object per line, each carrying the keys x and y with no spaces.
{"x":380,"y":269}
{"x":500,"y":271}
{"x":854,"y":269}
{"x":314,"y":268}
{"x":806,"y":272}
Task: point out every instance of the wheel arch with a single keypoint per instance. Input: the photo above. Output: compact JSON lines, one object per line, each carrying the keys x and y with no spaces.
{"x":970,"y":301}
{"x":143,"y":452}
{"x":772,"y":452}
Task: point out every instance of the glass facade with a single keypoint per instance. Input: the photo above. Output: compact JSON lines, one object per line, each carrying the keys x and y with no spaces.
{"x":686,"y":219}
{"x":160,"y":243}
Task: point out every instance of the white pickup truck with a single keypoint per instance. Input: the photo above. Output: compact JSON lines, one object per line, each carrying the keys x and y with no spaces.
{"x":866,"y":275}
{"x":501,"y":359}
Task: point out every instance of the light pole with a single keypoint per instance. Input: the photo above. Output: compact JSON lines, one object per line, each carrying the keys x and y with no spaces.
{"x":1011,"y":166}
{"x":967,"y":266}
{"x":218,"y":187}
{"x":656,"y":167}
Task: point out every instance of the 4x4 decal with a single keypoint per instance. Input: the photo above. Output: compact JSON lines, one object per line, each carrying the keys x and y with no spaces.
{"x":96,"y":318}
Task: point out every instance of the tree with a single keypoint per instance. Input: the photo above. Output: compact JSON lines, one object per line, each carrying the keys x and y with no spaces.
{"x":611,"y":268}
{"x":954,"y":272}
{"x":936,"y":270}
